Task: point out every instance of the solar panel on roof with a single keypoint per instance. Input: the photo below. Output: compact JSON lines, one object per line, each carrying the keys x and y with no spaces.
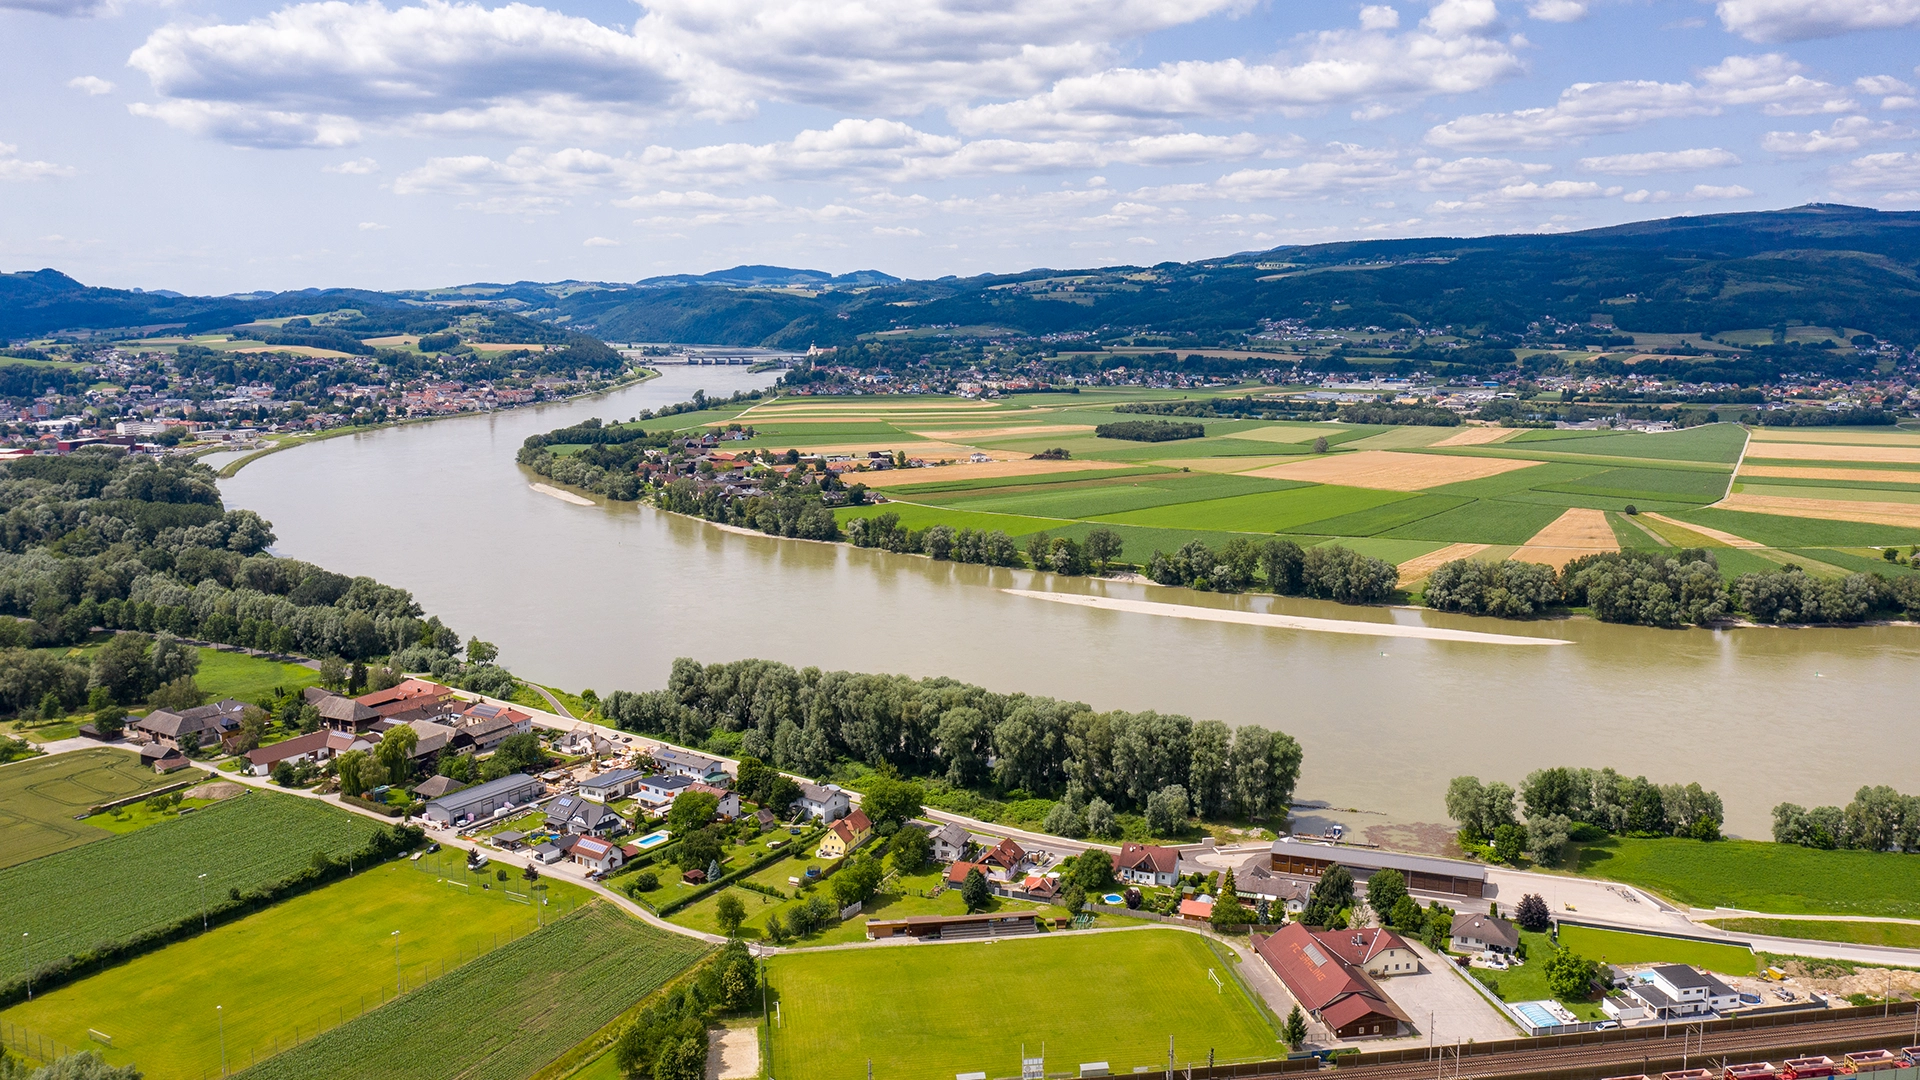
{"x":1314,"y":954}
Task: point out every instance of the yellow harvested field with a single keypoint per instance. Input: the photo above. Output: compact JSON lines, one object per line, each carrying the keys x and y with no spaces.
{"x":1844,"y":438}
{"x":1392,"y":471}
{"x":397,"y":341}
{"x":1473,"y":435}
{"x":1573,"y":534}
{"x":929,"y":451}
{"x":989,"y":470}
{"x":1005,"y":432}
{"x":1420,"y":566}
{"x":1839,"y":476}
{"x":1228,"y":464}
{"x":1908,"y":455}
{"x":1906,"y":515}
{"x":1723,"y":537}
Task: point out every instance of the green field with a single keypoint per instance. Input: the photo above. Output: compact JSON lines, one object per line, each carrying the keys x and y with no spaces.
{"x":505,"y":1015}
{"x":1483,"y":521}
{"x":249,"y":678}
{"x":1616,"y":947}
{"x":39,"y":798}
{"x":1773,"y":530}
{"x":282,"y":974}
{"x":927,"y":1012}
{"x":1277,"y":511}
{"x":120,"y":886}
{"x":1760,"y":876}
{"x":898,"y":904}
{"x":136,"y":816}
{"x":1890,"y":934}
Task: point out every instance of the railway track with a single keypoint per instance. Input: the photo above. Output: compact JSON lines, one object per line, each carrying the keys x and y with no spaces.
{"x":1683,"y":1047}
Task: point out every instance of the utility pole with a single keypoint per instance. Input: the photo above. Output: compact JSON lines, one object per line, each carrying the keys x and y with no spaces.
{"x":396,"y":963}
{"x":27,"y":962}
{"x":203,"y":903}
{"x":220,"y":1012}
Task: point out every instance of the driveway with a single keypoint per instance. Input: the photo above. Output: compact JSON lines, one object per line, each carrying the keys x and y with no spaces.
{"x":1458,"y":1013}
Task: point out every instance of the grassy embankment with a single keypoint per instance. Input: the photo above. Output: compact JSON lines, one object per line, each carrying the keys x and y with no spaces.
{"x":1759,"y":876}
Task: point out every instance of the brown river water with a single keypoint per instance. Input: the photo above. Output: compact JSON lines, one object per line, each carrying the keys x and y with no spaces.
{"x":608,"y":596}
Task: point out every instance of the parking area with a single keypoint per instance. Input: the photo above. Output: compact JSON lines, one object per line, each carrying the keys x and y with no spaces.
{"x":1458,"y":1012}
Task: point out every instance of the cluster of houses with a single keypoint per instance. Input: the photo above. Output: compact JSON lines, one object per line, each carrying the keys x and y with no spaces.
{"x":441,"y":722}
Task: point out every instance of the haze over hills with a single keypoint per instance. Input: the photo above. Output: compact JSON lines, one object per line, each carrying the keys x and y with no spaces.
{"x":1820,"y":264}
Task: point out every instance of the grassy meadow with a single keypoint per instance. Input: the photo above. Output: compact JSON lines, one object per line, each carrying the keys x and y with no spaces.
{"x":40,"y":797}
{"x":927,"y":1012}
{"x":1759,"y":876}
{"x":1398,"y":493}
{"x":1618,"y":947}
{"x":284,"y":973}
{"x":1895,"y":935}
{"x":1528,"y":982}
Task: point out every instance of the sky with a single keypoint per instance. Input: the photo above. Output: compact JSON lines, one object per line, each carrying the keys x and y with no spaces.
{"x":215,"y":146}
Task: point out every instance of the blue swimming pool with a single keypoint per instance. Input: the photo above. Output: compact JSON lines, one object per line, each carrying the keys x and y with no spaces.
{"x":652,"y":839}
{"x":1114,"y":898}
{"x":1536,"y":1015}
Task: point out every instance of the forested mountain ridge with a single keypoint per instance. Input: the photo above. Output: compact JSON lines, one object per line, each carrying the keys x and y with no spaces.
{"x":1820,"y":264}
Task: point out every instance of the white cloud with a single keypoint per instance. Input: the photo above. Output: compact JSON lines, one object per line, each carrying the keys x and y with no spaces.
{"x":1437,"y":174}
{"x":899,"y":56}
{"x":91,"y":85}
{"x":1800,"y":20}
{"x":896,"y":230}
{"x":371,"y":226}
{"x":1893,"y":177}
{"x":1379,"y":17}
{"x":365,"y":166}
{"x":1558,"y":10}
{"x":1698,"y":193}
{"x":599,"y":241}
{"x":1844,"y":134}
{"x":13,"y":167}
{"x":1584,"y":109}
{"x":319,"y":74}
{"x":1451,"y":52}
{"x":1654,"y":161}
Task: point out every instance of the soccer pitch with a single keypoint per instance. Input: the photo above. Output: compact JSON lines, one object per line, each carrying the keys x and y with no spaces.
{"x":928,"y":1012}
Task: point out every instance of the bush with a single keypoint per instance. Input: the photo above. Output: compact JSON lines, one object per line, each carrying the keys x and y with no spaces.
{"x":1150,"y":430}
{"x":1532,"y":914}
{"x":1331,"y":572}
{"x":1510,"y":589}
{"x":1652,"y":588}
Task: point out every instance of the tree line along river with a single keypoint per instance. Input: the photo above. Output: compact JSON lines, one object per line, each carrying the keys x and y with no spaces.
{"x":606,"y":596}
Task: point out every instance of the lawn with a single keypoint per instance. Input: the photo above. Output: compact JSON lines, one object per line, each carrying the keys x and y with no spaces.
{"x":1616,"y":947}
{"x":225,"y":674}
{"x":120,"y":886}
{"x":1760,"y":876}
{"x":505,"y":1015}
{"x":1528,"y":982}
{"x":891,"y":905}
{"x":927,"y":1012}
{"x":1275,"y":511}
{"x":39,"y":798}
{"x":286,"y":972}
{"x":1891,"y":934}
{"x":136,"y":816}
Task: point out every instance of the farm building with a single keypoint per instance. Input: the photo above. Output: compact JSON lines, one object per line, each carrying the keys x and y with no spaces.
{"x":1424,"y":874}
{"x":162,"y":757}
{"x":612,"y":785}
{"x":489,"y":725}
{"x":435,"y":786}
{"x":313,"y":746}
{"x":207,"y":722}
{"x":1483,"y":933}
{"x":483,"y":800}
{"x":1145,"y":864}
{"x":1338,"y":994}
{"x":339,"y":712}
{"x":416,"y":691}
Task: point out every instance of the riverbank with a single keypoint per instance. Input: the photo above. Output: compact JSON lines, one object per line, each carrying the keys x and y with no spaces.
{"x":233,"y":468}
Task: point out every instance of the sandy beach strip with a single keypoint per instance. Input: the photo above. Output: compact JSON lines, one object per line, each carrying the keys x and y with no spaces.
{"x":563,"y":496}
{"x":1283,"y":622}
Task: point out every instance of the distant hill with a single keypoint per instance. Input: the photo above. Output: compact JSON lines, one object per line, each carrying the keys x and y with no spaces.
{"x":1839,"y":266}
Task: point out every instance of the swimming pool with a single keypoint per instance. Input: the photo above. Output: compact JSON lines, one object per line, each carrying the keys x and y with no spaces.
{"x":652,"y":839}
{"x":1113,"y":898}
{"x":1536,"y":1015}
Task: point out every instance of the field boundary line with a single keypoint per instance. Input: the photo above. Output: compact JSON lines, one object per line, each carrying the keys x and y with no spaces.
{"x":1732,"y":477}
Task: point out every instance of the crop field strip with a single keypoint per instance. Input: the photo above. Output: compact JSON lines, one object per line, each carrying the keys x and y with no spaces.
{"x":905,"y":1010}
{"x":119,"y":887}
{"x":40,"y":797}
{"x":506,"y":1014}
{"x":292,"y":970}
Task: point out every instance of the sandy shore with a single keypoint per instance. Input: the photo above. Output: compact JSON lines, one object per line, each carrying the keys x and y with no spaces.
{"x":1284,"y":622}
{"x":563,"y":496}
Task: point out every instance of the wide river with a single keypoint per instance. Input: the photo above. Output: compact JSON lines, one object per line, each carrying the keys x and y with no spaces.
{"x":608,"y":596}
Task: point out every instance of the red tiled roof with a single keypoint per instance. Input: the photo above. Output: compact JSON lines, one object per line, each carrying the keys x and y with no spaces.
{"x":409,"y":689}
{"x":1319,"y":978}
{"x":1359,"y":946}
{"x":1196,"y":909}
{"x":957,"y":872}
{"x":1006,"y":853}
{"x":858,"y":822}
{"x":1145,"y":857}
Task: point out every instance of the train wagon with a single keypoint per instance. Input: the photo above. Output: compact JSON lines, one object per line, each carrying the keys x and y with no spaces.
{"x":1809,"y":1068}
{"x":1876,"y":1060}
{"x":1757,"y":1070}
{"x":1689,"y":1074}
{"x":1912,"y":1054}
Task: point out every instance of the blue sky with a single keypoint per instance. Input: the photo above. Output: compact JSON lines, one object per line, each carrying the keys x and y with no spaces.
{"x":230,"y":145}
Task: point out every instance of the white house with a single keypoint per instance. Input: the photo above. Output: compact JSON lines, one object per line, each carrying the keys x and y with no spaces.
{"x":1675,"y":990}
{"x":596,"y":854}
{"x":950,"y":842}
{"x":611,"y":786}
{"x":656,"y":791}
{"x":823,"y":801}
{"x":1144,"y":864}
{"x":688,"y":764}
{"x":1483,"y":933}
{"x":729,"y":803}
